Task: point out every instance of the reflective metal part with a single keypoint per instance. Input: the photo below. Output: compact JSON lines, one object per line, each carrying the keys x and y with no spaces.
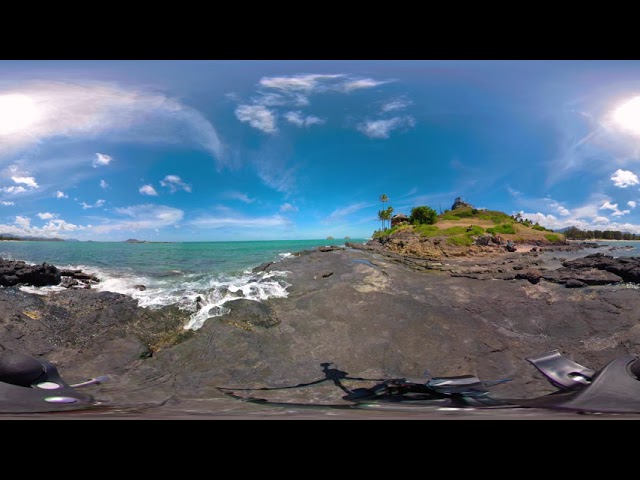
{"x":48,"y":385}
{"x":60,"y":399}
{"x":562,"y":372}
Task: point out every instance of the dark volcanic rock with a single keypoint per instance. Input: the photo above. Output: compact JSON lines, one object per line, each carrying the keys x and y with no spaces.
{"x":627,"y":268}
{"x":142,"y":288}
{"x":572,"y":283}
{"x":262,"y":267}
{"x":17,"y":272}
{"x":533,"y":276}
{"x":328,"y":249}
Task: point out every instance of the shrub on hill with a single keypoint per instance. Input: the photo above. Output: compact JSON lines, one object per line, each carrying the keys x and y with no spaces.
{"x":423,"y":216}
{"x":505,"y":228}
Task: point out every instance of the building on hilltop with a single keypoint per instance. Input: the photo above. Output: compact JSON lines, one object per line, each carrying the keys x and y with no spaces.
{"x":399,"y":219}
{"x":458,"y":203}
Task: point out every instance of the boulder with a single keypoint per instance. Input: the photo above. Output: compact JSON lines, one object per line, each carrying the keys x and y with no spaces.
{"x":16,"y":272}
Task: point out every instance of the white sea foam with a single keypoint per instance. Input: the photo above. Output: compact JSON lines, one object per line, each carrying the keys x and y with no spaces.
{"x":285,"y":255}
{"x":201,"y":295}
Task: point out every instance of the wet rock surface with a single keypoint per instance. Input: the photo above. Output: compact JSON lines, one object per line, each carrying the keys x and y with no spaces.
{"x":376,"y":316}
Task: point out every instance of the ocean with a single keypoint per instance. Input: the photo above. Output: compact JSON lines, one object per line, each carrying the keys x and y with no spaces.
{"x":173,"y":273}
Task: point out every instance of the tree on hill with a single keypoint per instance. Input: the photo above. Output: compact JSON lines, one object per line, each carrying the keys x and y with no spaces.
{"x":423,"y":215}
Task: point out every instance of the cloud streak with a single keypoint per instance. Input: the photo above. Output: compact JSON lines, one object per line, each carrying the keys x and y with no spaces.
{"x":175,"y":183}
{"x":91,"y":110}
{"x":383,"y":128}
{"x":240,"y":222}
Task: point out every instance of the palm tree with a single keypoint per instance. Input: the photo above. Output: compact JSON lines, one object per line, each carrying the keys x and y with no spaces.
{"x":388,"y":212}
{"x":383,"y":199}
{"x":381,"y":217}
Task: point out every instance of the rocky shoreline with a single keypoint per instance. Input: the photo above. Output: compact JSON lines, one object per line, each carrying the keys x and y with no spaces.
{"x":368,"y":312}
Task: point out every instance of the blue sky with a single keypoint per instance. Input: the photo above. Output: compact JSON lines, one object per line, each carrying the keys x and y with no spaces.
{"x":257,"y":150}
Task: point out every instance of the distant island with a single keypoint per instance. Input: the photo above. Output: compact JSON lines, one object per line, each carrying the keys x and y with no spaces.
{"x":330,"y":238}
{"x":133,"y":240}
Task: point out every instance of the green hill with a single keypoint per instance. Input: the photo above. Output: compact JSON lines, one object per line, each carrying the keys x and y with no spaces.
{"x":460,"y":227}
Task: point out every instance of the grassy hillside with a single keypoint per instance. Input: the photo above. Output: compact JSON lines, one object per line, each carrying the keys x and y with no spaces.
{"x":460,"y":226}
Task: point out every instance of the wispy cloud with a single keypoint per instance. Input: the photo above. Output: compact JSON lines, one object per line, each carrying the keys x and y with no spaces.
{"x":339,"y":213}
{"x":241,"y":222}
{"x":5,"y":203}
{"x":624,"y":178}
{"x":101,"y":160}
{"x":383,"y":128}
{"x":360,"y":83}
{"x":14,"y":189}
{"x":60,"y":194}
{"x":258,"y":116}
{"x":175,"y":183}
{"x":104,"y":185}
{"x":92,"y":110}
{"x":86,"y":206}
{"x":148,"y":190}
{"x":396,"y":104}
{"x":631,"y":204}
{"x":243,"y":197}
{"x":300,"y":120}
{"x":47,"y":215}
{"x":287,"y":207}
{"x":298,"y":83}
{"x":140,"y":217}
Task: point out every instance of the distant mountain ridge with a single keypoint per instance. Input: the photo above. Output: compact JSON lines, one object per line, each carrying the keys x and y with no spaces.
{"x":9,"y":236}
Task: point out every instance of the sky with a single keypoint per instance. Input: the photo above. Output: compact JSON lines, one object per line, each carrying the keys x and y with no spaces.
{"x":268,"y":150}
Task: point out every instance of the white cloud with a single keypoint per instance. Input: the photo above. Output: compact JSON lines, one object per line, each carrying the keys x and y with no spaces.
{"x":22,"y":226}
{"x":258,"y":117}
{"x":23,"y":222}
{"x":104,"y":185}
{"x":609,"y":206}
{"x":28,"y":181}
{"x":47,"y":215}
{"x":600,"y":220}
{"x":383,"y":128}
{"x":98,"y":203}
{"x":287,"y":207}
{"x":397,"y":104}
{"x":619,"y":213}
{"x":148,"y":190}
{"x":614,"y":207}
{"x":145,"y":216}
{"x":298,"y":119}
{"x":297,"y":83}
{"x":340,"y":213}
{"x":255,"y":222}
{"x":631,"y":204}
{"x":624,"y":178}
{"x":243,"y":197}
{"x":361,"y":83}
{"x":560,"y":209}
{"x":5,"y":203}
{"x":101,"y":160}
{"x":93,"y":110}
{"x":13,"y":189}
{"x":60,"y":194}
{"x":175,"y":183}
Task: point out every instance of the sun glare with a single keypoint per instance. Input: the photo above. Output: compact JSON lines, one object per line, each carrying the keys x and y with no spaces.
{"x":17,"y":112}
{"x":627,"y":115}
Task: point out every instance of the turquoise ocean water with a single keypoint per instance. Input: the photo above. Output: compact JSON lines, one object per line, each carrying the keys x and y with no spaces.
{"x":173,"y":273}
